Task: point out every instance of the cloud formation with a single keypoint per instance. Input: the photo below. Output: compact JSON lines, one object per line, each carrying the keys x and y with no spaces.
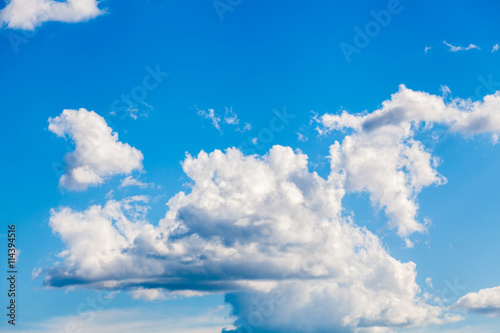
{"x":380,"y":155}
{"x":131,"y":181}
{"x":28,"y":14}
{"x":253,"y":227}
{"x":271,"y":235}
{"x":212,"y":116}
{"x":484,"y":302}
{"x":98,"y":153}
{"x":96,"y":317}
{"x":461,"y":48}
{"x":230,"y":118}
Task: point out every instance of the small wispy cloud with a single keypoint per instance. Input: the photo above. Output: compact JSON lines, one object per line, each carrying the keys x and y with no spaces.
{"x":212,"y":116}
{"x":245,"y":128}
{"x":134,"y":111}
{"x":301,"y":137}
{"x":427,"y":48}
{"x":454,"y":48}
{"x":130,"y":181}
{"x":230,"y":118}
{"x":495,"y":48}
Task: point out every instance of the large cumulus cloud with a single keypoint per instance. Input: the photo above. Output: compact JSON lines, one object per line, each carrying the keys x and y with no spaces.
{"x":271,"y":235}
{"x":251,"y":227}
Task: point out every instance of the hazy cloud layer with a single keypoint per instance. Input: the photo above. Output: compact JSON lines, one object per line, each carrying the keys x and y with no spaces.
{"x":98,"y":318}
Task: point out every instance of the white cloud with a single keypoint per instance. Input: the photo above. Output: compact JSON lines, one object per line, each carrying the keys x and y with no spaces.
{"x":35,"y":272}
{"x":495,"y":48}
{"x":230,"y":118}
{"x":427,"y":48}
{"x":259,"y":229}
{"x":28,"y":14}
{"x":152,"y":294}
{"x":461,"y":48}
{"x":494,"y":139}
{"x":301,"y":137}
{"x":247,"y":127}
{"x":131,"y":181}
{"x":485,"y":302}
{"x":98,"y":153}
{"x":272,"y":236}
{"x":381,"y":156}
{"x":159,"y":294}
{"x":132,"y":320}
{"x":212,"y":116}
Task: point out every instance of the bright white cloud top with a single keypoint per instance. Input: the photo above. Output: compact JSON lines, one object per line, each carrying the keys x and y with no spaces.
{"x":382,"y":157}
{"x":98,"y":153}
{"x":485,"y":302}
{"x":264,"y":229}
{"x":266,"y":226}
{"x":28,"y":14}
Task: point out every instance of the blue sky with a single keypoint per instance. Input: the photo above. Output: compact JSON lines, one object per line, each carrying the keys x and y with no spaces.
{"x":152,"y":70}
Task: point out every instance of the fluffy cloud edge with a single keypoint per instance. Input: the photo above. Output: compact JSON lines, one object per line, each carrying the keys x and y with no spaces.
{"x":380,"y":155}
{"x":235,"y":232}
{"x":29,"y":14}
{"x":242,"y":232}
{"x":483,"y":302}
{"x":98,"y":153}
